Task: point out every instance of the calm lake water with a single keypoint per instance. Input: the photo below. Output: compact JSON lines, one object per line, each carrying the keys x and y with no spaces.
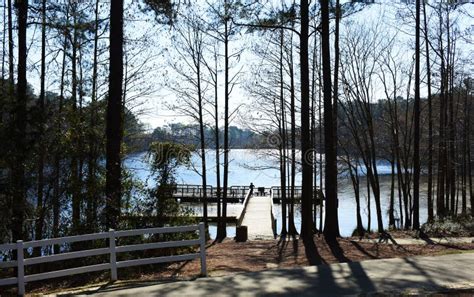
{"x":261,"y":168}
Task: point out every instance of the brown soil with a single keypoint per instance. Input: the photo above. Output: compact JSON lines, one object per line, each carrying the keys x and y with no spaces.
{"x":231,"y":257}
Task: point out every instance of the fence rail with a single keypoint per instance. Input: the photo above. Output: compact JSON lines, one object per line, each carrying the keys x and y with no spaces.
{"x":21,"y":279}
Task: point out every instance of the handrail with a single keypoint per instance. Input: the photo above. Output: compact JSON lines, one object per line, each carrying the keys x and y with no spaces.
{"x":112,"y":250}
{"x":245,"y":203}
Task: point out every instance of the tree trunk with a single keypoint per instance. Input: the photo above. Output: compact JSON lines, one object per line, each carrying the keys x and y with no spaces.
{"x":469,"y":160}
{"x":391,"y":208}
{"x":369,"y":210}
{"x":220,"y":226}
{"x":92,"y":193}
{"x":440,"y":204}
{"x":18,"y":170}
{"x":353,"y":172}
{"x":114,"y":120}
{"x":4,"y":39}
{"x":416,"y":148}
{"x":331,"y":225}
{"x":291,"y":216}
{"x":430,"y":120}
{"x":284,"y":230}
{"x":11,"y":77}
{"x":306,"y":160}
{"x":75,"y":183}
{"x":58,"y":154}
{"x":40,"y":211}
{"x":226,"y":123}
{"x":202,"y":138}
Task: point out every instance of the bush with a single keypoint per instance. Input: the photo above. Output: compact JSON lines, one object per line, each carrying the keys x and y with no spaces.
{"x":452,"y":226}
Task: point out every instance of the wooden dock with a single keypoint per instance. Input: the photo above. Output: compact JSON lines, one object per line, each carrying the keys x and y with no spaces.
{"x":194,"y":193}
{"x":258,"y":217}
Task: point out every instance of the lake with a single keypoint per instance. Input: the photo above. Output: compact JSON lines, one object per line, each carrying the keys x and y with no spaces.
{"x":260,"y":167}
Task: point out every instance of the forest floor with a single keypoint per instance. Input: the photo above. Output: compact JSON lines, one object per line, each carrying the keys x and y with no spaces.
{"x":230,"y":257}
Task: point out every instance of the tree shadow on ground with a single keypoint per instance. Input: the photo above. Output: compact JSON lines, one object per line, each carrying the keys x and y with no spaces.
{"x":312,"y":254}
{"x":362,"y":250}
{"x":336,"y":250}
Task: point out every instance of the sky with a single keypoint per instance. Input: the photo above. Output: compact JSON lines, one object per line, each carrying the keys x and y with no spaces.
{"x":154,"y":97}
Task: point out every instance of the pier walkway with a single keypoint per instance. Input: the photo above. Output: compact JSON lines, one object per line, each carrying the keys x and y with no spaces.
{"x":258,"y":218}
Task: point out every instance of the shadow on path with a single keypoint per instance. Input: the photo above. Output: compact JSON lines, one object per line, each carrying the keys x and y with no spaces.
{"x":312,"y":254}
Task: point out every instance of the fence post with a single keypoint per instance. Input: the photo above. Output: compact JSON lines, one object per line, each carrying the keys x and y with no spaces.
{"x":113,"y":256}
{"x":20,"y":267}
{"x":202,"y":248}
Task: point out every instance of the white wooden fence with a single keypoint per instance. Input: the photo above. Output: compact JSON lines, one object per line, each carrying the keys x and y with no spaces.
{"x":112,"y":250}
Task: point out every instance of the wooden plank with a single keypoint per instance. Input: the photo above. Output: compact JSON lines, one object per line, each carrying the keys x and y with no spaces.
{"x":113,"y":255}
{"x":7,"y":247}
{"x":157,"y":260}
{"x":8,"y":264}
{"x":68,"y":239}
{"x":159,"y":230}
{"x":66,"y":256}
{"x":156,"y":245}
{"x":65,"y":272}
{"x":202,"y":248}
{"x":8,"y":281}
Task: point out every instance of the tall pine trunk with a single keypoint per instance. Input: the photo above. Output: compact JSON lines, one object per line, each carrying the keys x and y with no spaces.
{"x":291,"y":215}
{"x":220,"y":226}
{"x":331,"y":225}
{"x":40,"y":211}
{"x":18,"y":170}
{"x":202,"y":136}
{"x":306,"y":151}
{"x":430,"y":119}
{"x":114,"y":120}
{"x":223,"y":232}
{"x":58,"y":153}
{"x":416,"y":148}
{"x":92,"y":193}
{"x":284,"y":230}
{"x":75,"y":182}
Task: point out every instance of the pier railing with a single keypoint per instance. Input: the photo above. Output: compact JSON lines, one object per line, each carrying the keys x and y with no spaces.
{"x":277,"y":194}
{"x":245,"y":203}
{"x":194,"y":193}
{"x":112,"y":250}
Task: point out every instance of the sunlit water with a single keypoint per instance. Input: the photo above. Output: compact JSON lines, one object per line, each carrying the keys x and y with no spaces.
{"x":260,"y":167}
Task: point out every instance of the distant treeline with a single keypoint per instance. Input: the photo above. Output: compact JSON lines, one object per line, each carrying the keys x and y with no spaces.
{"x":189,"y":135}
